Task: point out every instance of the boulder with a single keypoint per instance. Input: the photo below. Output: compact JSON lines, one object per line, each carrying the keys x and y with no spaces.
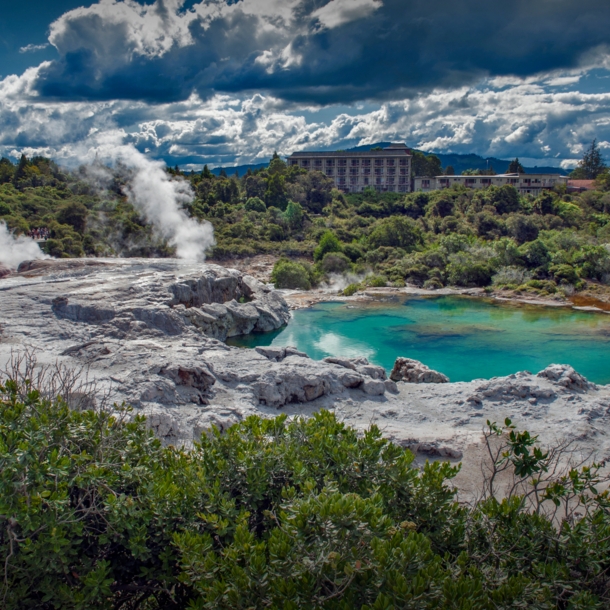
{"x":564,"y":375}
{"x":4,"y":271}
{"x":413,"y":371}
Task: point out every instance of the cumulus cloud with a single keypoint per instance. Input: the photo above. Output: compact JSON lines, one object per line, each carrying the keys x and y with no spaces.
{"x":324,"y":52}
{"x":525,"y":118}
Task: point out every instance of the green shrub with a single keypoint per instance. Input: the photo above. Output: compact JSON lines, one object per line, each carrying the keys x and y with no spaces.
{"x":351,"y":289}
{"x":396,"y":232}
{"x":278,"y":513}
{"x":328,"y":243}
{"x":376,"y":281}
{"x":335,"y":262}
{"x":565,"y":274}
{"x":433,"y":284}
{"x":255,"y":204}
{"x":291,"y":275}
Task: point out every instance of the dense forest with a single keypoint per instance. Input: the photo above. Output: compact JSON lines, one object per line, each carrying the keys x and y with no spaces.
{"x":553,"y":244}
{"x":284,"y":513}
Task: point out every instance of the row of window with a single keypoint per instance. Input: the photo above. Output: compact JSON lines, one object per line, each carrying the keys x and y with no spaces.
{"x":352,"y":162}
{"x":341,"y":171}
{"x":366,"y":180}
{"x":524,"y":181}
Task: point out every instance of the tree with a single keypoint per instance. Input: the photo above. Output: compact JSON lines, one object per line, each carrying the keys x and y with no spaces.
{"x":206,"y":173}
{"x":328,"y":243}
{"x":435,"y":167}
{"x":275,"y":195}
{"x":20,"y":171}
{"x":591,"y":165}
{"x":74,"y":214}
{"x":515,"y":167}
{"x":294,"y":215}
{"x":449,"y":171}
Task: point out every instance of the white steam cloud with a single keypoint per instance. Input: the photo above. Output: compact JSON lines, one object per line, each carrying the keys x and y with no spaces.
{"x":15,"y":250}
{"x":159,"y":197}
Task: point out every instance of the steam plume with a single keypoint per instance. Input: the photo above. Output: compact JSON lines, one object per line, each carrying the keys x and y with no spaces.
{"x":15,"y":250}
{"x":159,"y":199}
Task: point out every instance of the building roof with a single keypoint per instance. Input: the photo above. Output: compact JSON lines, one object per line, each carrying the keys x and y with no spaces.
{"x":583,"y":185}
{"x":389,"y":151}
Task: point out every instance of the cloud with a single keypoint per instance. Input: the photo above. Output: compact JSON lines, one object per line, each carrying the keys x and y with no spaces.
{"x":30,"y":48}
{"x":340,"y":12}
{"x":525,"y":118}
{"x":313,"y":52}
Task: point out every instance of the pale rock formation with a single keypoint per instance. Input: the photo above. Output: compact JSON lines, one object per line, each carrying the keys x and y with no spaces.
{"x":413,"y":371}
{"x":150,"y":334}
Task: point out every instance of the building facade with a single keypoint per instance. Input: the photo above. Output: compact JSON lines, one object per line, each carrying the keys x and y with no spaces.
{"x":532,"y":184}
{"x":387,"y":170}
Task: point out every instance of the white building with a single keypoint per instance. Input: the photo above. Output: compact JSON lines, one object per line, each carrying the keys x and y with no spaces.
{"x":532,"y":184}
{"x":387,"y":170}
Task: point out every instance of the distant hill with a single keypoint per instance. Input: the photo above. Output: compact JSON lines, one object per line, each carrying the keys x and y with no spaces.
{"x":459,"y":163}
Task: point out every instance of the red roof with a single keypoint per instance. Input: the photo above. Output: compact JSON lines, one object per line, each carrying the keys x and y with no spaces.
{"x":582,"y":185}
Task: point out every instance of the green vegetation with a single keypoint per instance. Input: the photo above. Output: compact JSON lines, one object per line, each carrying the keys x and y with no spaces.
{"x":456,"y":236}
{"x":279,"y":513}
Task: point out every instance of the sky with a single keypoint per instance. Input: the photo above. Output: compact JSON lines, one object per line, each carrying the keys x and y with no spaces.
{"x":228,"y":82}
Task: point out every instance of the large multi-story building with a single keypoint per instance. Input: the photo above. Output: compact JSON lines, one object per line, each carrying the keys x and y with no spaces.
{"x":386,"y":170}
{"x":532,"y":184}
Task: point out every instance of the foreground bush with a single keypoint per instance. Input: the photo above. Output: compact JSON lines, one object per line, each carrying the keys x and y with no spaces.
{"x":95,"y":513}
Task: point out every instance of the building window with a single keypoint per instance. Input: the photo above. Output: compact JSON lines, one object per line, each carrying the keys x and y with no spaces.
{"x":355,"y":162}
{"x":305,"y":162}
{"x":425,"y":184}
{"x":391,"y":180}
{"x":330,"y":171}
{"x":353,"y":171}
{"x":366,"y":163}
{"x":341,"y":171}
{"x":444,"y":181}
{"x":378,"y":180}
{"x":402,"y":189}
{"x":330,"y":162}
{"x":378,"y":162}
{"x":318,"y":162}
{"x":514,"y":181}
{"x":353,"y":180}
{"x":526,"y":181}
{"x":402,"y":180}
{"x":390,"y":162}
{"x":366,"y":180}
{"x":403,"y":161}
{"x":294,"y":162}
{"x":366,"y":171}
{"x":485,"y":180}
{"x":341,"y":180}
{"x":379,"y":171}
{"x":342,"y":162}
{"x":403,"y":171}
{"x":471,"y":180}
{"x":391,"y":171}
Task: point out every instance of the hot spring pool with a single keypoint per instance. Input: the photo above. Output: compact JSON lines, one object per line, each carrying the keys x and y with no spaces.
{"x":464,"y":338}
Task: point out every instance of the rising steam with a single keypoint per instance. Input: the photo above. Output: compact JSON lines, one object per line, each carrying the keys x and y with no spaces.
{"x":15,"y":250}
{"x":160,"y":198}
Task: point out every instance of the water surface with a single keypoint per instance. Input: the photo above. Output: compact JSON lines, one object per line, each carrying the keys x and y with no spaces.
{"x":464,"y":338}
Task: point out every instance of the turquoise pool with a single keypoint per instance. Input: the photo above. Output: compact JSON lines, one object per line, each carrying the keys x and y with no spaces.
{"x":464,"y":338}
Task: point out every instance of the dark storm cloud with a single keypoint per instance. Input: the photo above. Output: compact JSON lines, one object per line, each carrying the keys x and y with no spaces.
{"x":313,"y":51}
